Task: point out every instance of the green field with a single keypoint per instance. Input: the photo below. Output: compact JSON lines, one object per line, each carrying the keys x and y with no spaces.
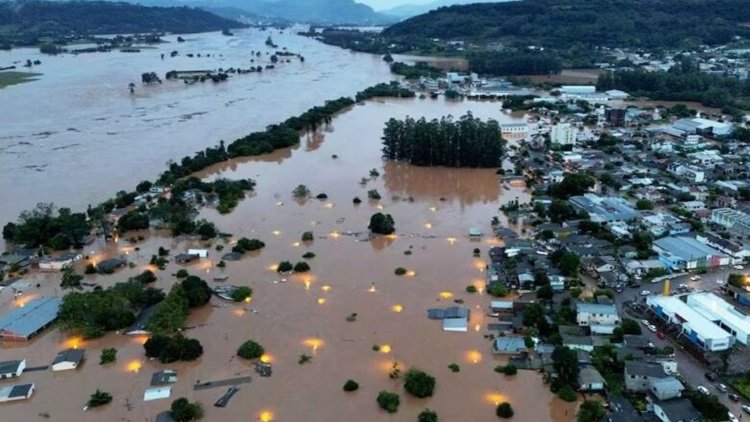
{"x":13,"y":78}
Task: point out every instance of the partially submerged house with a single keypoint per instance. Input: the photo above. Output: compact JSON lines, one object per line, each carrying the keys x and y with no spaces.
{"x":164,"y":377}
{"x":68,"y":359}
{"x":12,"y":368}
{"x":509,"y":345}
{"x":16,"y":392}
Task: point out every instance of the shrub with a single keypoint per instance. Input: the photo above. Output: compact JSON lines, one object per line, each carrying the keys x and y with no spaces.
{"x":382,"y":224}
{"x":303,"y":359}
{"x":99,"y":398}
{"x":388,"y":401}
{"x":476,"y":252}
{"x":184,"y":411}
{"x":242,"y":293}
{"x":471,"y":289}
{"x":308,"y":236}
{"x":376,"y":347}
{"x":407,"y":252}
{"x":247,"y":245}
{"x":356,"y":200}
{"x":301,"y":267}
{"x":171,"y":349}
{"x":90,"y":269}
{"x":510,"y":369}
{"x":322,"y":196}
{"x":284,"y":267}
{"x":107,"y":356}
{"x":250,"y":350}
{"x":146,"y":277}
{"x":352,"y":317}
{"x":419,"y":383}
{"x":567,"y":393}
{"x":504,"y":410}
{"x":454,"y":367}
{"x":498,"y":290}
{"x":308,"y":255}
{"x":301,"y":191}
{"x":181,"y":273}
{"x":400,"y":271}
{"x":427,"y":415}
{"x":351,"y":385}
{"x":163,"y":251}
{"x":373,"y":194}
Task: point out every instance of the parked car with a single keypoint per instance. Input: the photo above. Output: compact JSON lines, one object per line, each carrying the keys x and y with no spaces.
{"x":710,"y":376}
{"x":652,"y":328}
{"x":746,"y":409}
{"x":645,"y":322}
{"x":733,"y":397}
{"x":703,"y":390}
{"x":732,"y":418}
{"x":721,"y":387}
{"x":738,"y":267}
{"x":645,"y":292}
{"x":695,"y":278}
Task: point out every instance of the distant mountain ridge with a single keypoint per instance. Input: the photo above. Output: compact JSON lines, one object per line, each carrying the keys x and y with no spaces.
{"x":409,"y":10}
{"x":565,"y":23}
{"x":24,"y":22}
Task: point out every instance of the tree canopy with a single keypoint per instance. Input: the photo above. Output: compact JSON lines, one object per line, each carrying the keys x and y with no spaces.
{"x":466,"y":142}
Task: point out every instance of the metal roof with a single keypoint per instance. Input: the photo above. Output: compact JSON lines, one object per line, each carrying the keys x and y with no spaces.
{"x":596,"y":308}
{"x":686,"y":248}
{"x":29,"y":319}
{"x":10,"y":366}
{"x":694,"y":320}
{"x":510,"y":344}
{"x":716,"y":308}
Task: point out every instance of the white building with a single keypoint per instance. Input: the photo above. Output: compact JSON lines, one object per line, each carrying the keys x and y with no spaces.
{"x":563,"y":134}
{"x":16,"y":392}
{"x":68,"y":360}
{"x":691,"y":173}
{"x":595,"y":314}
{"x":695,"y":326}
{"x":722,"y":313}
{"x":202,"y":253}
{"x":12,"y":368}
{"x":514,"y":130}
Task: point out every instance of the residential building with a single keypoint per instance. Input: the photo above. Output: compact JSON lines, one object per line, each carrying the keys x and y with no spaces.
{"x":722,"y":313}
{"x":514,"y":130}
{"x":615,"y":117}
{"x":509,"y":345}
{"x":605,"y":209}
{"x":639,"y":376}
{"x":590,"y":314}
{"x":12,"y":368}
{"x":676,"y":410}
{"x":563,"y":134}
{"x":456,"y":319}
{"x":666,"y":388}
{"x":735,"y":250}
{"x":589,"y":379}
{"x":686,"y":253}
{"x":693,"y":325}
{"x":16,"y":392}
{"x":68,"y":359}
{"x":691,"y":173}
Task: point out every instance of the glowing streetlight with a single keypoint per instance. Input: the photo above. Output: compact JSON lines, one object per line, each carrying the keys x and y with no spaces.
{"x":452,"y":240}
{"x":325,"y":288}
{"x":276,"y":232}
{"x":265,"y":416}
{"x":397,"y":308}
{"x":321,"y":300}
{"x":385,"y":348}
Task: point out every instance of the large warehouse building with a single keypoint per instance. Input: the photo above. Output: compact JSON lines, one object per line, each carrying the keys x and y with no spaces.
{"x":722,"y":313}
{"x":681,"y":253}
{"x":695,"y":326}
{"x":23,"y":323}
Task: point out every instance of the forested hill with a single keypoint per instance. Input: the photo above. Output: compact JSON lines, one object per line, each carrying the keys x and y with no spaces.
{"x":22,"y":22}
{"x":562,"y":23}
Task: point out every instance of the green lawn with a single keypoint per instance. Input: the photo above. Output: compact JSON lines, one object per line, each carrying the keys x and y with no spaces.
{"x":13,"y":78}
{"x":742,"y":384}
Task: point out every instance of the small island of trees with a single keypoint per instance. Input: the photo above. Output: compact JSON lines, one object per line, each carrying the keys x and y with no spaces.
{"x":466,"y":142}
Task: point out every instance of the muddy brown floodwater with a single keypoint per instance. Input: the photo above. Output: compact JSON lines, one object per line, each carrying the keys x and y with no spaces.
{"x":433,"y":209}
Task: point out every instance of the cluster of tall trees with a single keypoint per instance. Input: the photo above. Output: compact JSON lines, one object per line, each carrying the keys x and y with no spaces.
{"x":683,"y":82}
{"x":46,"y":225}
{"x":514,"y":63}
{"x":171,"y":314}
{"x":466,"y":142}
{"x":92,"y":314}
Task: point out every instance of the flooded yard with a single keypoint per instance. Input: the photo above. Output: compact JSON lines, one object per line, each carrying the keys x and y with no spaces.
{"x":433,"y":209}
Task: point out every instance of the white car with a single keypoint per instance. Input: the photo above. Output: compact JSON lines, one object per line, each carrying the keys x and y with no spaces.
{"x":746,"y":409}
{"x":645,"y":292}
{"x":645,"y":322}
{"x":651,"y":328}
{"x":702,"y":390}
{"x":738,"y":267}
{"x":721,"y":387}
{"x":720,"y":282}
{"x":732,"y":418}
{"x":695,"y":278}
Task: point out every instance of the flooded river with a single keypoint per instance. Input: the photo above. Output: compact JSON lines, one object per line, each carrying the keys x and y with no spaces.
{"x":307,"y":313}
{"x":76,"y":136}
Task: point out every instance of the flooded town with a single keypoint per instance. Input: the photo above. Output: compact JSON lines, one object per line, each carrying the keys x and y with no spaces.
{"x":272,"y":222}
